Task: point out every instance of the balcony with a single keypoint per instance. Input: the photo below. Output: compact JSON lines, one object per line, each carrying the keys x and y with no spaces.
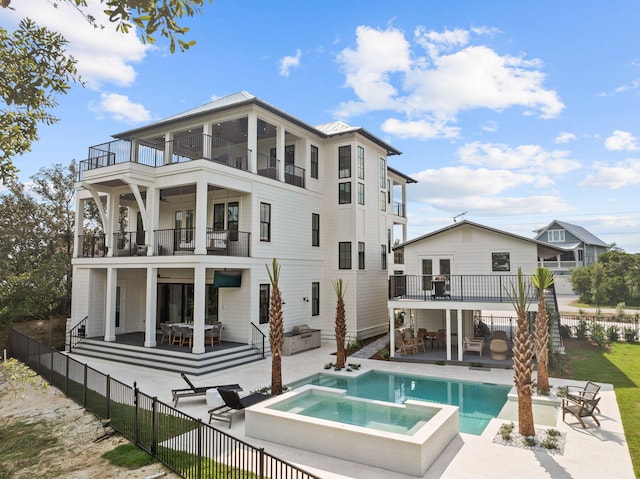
{"x":168,"y":242}
{"x":399,"y":209}
{"x":470,"y":288}
{"x":184,"y":149}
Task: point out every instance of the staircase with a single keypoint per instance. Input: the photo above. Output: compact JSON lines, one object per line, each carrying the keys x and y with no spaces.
{"x":551,"y":302}
{"x":175,"y":361}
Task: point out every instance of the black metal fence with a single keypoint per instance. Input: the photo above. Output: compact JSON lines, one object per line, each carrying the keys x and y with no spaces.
{"x":186,"y":445}
{"x":616,"y":328}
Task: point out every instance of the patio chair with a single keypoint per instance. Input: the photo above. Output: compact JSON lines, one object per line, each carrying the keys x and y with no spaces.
{"x":166,"y":333}
{"x":234,"y":404}
{"x":402,"y":345}
{"x":192,"y":390}
{"x":473,"y":345}
{"x":214,"y":334}
{"x":588,"y":392}
{"x":176,"y":334}
{"x":580,"y":409}
{"x":500,"y":335}
{"x":499,"y":349}
{"x":187,"y":335}
{"x":420,"y":340}
{"x":441,"y":337}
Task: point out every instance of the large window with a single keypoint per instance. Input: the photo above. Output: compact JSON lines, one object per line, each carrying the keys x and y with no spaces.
{"x":383,"y":257}
{"x":233,"y":212}
{"x":263,"y":313}
{"x":500,"y":262}
{"x":315,"y":229}
{"x":314,"y":162}
{"x":265,"y":222}
{"x":344,"y":193}
{"x":344,"y":162}
{"x":361,"y":255}
{"x":344,"y":255}
{"x":315,"y":299}
{"x":555,"y":236}
{"x":218,"y":216}
{"x":360,"y":163}
{"x":361,"y":193}
{"x":383,"y":173}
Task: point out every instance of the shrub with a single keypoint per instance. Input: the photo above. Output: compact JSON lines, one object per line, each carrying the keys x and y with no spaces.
{"x":598,"y":335}
{"x":613,"y":333}
{"x":582,"y":329}
{"x":565,"y":331}
{"x":530,"y":441}
{"x":549,"y":443}
{"x":630,"y":335}
{"x":506,"y":430}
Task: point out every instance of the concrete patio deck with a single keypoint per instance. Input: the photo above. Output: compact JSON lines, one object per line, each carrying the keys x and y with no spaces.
{"x":589,"y":453}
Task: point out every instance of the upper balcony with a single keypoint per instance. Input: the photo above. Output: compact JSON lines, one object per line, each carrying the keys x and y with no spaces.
{"x":465,"y":288}
{"x":157,"y":154}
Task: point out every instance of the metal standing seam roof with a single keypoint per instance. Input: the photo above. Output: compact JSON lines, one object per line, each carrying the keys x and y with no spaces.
{"x":578,"y":231}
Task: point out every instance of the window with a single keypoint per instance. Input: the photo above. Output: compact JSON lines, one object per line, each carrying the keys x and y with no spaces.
{"x":263,"y":313}
{"x":360,"y":255}
{"x":361,"y":163}
{"x":555,"y":236}
{"x":383,"y":201}
{"x":500,"y":262}
{"x":233,"y":211}
{"x":344,"y":255}
{"x":383,"y":257}
{"x":383,"y":173}
{"x":344,"y":193}
{"x":315,"y":299}
{"x":344,"y":162}
{"x":389,"y":240}
{"x":427,"y":272}
{"x":315,"y":229}
{"x":218,"y":216}
{"x":265,"y":222}
{"x":388,"y":191}
{"x":140,"y":235}
{"x":314,"y":162}
{"x":361,"y":193}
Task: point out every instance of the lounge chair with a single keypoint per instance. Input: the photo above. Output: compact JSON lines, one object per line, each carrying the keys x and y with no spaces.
{"x":192,"y":390}
{"x":581,"y":409}
{"x":473,"y":345}
{"x":234,"y":404}
{"x":499,"y":349}
{"x":588,"y":392}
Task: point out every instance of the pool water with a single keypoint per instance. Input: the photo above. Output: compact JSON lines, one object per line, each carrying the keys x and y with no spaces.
{"x":478,"y":403}
{"x":348,"y":410}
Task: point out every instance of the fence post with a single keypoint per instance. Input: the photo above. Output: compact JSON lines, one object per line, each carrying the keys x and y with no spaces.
{"x":66,"y":376}
{"x":84,"y":393}
{"x":108,"y":396}
{"x":136,"y":421}
{"x":261,"y":473}
{"x":51,"y":366}
{"x":154,"y":426}
{"x":199,"y":448}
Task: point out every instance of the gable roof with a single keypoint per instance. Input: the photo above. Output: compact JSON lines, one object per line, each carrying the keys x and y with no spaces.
{"x":577,"y":231}
{"x":544,"y":249}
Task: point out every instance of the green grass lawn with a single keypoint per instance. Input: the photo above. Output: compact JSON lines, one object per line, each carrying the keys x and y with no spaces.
{"x":621,"y":367}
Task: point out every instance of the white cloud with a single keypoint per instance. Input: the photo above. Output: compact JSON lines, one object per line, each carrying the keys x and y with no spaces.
{"x":421,"y":129}
{"x":528,"y":158}
{"x":289,"y":62}
{"x":451,"y":76}
{"x":490,"y":126}
{"x":565,"y":137}
{"x":619,"y":175}
{"x":621,"y":140}
{"x":121,"y":108}
{"x":506,"y":205}
{"x":103,"y":55}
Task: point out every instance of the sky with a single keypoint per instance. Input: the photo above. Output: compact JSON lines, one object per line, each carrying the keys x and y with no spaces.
{"x":508,"y":114}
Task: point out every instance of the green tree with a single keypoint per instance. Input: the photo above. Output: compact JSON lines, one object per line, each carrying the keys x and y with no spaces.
{"x":519,"y":294}
{"x":36,"y":69}
{"x":276,"y":328}
{"x":341,"y":324}
{"x":542,"y":279}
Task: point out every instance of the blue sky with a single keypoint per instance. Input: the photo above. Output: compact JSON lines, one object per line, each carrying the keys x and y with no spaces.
{"x":516,"y":113}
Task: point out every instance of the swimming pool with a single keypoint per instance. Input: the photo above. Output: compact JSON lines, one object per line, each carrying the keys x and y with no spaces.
{"x":478,"y":403}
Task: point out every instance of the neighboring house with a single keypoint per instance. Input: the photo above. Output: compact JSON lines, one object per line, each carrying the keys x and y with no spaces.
{"x":582,"y":248}
{"x":213,"y":195}
{"x":454,"y":273}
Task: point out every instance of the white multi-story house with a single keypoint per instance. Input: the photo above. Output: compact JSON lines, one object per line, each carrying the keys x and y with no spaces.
{"x":212,"y":195}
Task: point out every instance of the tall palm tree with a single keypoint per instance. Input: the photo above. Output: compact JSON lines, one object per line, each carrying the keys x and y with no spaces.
{"x":276,"y":328}
{"x":341,"y":324}
{"x":522,"y":355}
{"x":542,"y":279}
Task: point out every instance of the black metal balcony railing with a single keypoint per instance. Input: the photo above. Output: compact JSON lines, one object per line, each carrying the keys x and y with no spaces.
{"x":487,"y":288}
{"x":92,"y":246}
{"x":399,"y":209}
{"x":183,"y":149}
{"x":131,"y":243}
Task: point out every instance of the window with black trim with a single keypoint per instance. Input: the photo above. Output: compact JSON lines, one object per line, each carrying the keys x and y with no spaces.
{"x":388,"y":191}
{"x":218,"y":216}
{"x":360,"y":163}
{"x":344,"y":255}
{"x":314,"y":162}
{"x":361,"y":255}
{"x":383,"y":257}
{"x":233,"y":219}
{"x":265,"y":222}
{"x":344,"y":162}
{"x":344,"y":193}
{"x":361,"y":193}
{"x":383,"y":201}
{"x":315,"y":229}
{"x":263,"y":313}
{"x":383,"y":173}
{"x":500,"y":262}
{"x":315,"y":299}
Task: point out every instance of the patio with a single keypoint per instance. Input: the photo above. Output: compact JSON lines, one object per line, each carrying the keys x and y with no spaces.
{"x":589,"y":453}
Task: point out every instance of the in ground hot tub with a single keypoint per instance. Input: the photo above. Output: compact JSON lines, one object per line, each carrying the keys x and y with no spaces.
{"x":404,"y":438}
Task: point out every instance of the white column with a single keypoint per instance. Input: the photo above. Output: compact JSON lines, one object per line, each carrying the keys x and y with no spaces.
{"x":392,"y":334}
{"x":79,"y":223}
{"x":448,"y":328}
{"x":168,"y":147}
{"x":112,"y":222}
{"x":207,"y":133}
{"x":110,"y":306}
{"x":280,"y":133}
{"x":460,"y":334}
{"x":252,"y":142}
{"x":199,"y":278}
{"x":150,"y":308}
{"x":201,"y":217}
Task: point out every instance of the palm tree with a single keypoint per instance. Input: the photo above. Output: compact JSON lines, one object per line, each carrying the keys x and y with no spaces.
{"x":341,"y":325}
{"x":542,"y":279}
{"x":522,"y":355}
{"x":276,"y":328}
